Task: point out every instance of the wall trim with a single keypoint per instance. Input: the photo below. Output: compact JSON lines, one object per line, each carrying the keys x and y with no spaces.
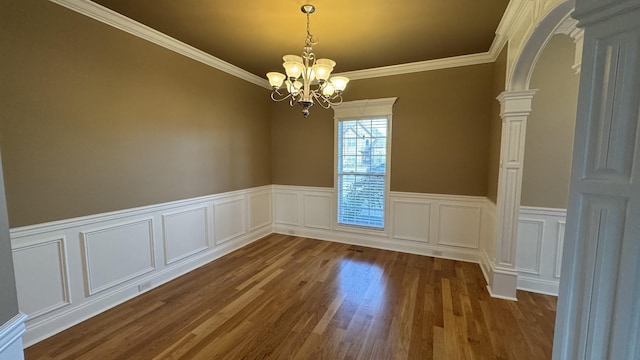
{"x":86,"y":245}
{"x":533,"y":210}
{"x":538,"y":286}
{"x":487,"y":266}
{"x":540,"y":224}
{"x":82,"y":303}
{"x":398,"y":235}
{"x":11,"y":338}
{"x":35,"y":229}
{"x":502,"y":283}
{"x":421,"y":66}
{"x":405,"y":246}
{"x":542,"y":228}
{"x":487,"y":247}
{"x":119,"y":21}
{"x":442,"y":197}
{"x":61,"y":242}
{"x":165,"y":243}
{"x":417,"y":234}
{"x":228,"y":201}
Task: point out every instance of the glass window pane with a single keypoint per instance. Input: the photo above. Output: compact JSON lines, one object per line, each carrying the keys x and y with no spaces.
{"x":362,"y":172}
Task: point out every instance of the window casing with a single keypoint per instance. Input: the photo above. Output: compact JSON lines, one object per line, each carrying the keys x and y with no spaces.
{"x":362,"y":163}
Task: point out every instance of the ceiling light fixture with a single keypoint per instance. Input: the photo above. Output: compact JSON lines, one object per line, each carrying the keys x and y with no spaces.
{"x":307,"y":78}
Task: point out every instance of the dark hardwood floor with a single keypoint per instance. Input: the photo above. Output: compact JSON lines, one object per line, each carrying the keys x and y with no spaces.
{"x":286,"y":297}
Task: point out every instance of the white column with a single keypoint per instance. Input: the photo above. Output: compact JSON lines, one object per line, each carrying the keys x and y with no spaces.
{"x":578,"y":40}
{"x":515,"y":107}
{"x":598,"y":314}
{"x":11,"y":338}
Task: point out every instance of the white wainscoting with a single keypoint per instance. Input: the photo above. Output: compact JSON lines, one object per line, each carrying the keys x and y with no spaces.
{"x":185,"y":233}
{"x":488,"y":241}
{"x":230,"y":220}
{"x":539,"y":249}
{"x":70,"y":270}
{"x":51,"y":276}
{"x":448,"y":226}
{"x":117,"y":253}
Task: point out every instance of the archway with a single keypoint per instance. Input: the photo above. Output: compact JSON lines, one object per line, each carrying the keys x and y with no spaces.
{"x":515,"y":109}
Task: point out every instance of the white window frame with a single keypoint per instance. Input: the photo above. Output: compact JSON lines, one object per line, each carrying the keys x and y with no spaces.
{"x":357,"y":110}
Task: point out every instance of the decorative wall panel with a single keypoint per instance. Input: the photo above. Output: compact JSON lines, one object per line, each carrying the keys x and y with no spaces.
{"x":118,"y":253}
{"x":185,"y":233}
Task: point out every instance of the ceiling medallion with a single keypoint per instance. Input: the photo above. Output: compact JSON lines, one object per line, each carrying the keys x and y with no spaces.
{"x":307,"y":78}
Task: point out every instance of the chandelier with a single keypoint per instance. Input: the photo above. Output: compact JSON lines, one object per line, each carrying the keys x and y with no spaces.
{"x":307,"y":78}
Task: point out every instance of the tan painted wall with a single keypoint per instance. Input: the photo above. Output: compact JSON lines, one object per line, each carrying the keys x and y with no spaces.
{"x":440,"y":125}
{"x":302,"y":149}
{"x":550,"y":127}
{"x":94,"y":119}
{"x":495,"y":127}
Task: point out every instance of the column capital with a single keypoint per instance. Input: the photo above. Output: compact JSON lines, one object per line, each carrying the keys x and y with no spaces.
{"x":516,"y":103}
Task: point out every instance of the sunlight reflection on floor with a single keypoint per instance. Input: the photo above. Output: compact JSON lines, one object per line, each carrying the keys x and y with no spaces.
{"x":363,"y":286}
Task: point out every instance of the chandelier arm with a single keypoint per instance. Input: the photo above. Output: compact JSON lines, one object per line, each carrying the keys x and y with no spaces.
{"x":324,"y":101}
{"x":321,"y":100}
{"x":277,"y":96}
{"x":293,"y":101}
{"x":338,"y":102}
{"x":335,"y":100}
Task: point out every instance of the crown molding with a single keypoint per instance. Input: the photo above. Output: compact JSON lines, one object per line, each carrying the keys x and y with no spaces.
{"x":118,"y":21}
{"x":463,"y":60}
{"x":514,"y":10}
{"x":510,"y":17}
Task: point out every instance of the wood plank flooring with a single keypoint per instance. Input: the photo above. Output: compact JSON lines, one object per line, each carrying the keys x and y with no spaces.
{"x":286,"y":297}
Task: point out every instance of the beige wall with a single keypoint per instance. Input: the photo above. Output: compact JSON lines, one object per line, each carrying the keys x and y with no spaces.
{"x":439,"y":145}
{"x":549,"y":142}
{"x":302,"y":149}
{"x":495,"y":126}
{"x":94,"y":119}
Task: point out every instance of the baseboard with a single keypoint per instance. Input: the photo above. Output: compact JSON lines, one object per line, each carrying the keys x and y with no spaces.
{"x":503,"y":284}
{"x":11,"y":334}
{"x":539,"y":286}
{"x":467,"y":255}
{"x":486,"y":265}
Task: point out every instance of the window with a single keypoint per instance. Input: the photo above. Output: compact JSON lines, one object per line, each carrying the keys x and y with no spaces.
{"x":362,"y":157}
{"x":362,"y":160}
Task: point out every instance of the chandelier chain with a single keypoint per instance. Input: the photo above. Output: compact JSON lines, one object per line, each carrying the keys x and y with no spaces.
{"x":310,"y":41}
